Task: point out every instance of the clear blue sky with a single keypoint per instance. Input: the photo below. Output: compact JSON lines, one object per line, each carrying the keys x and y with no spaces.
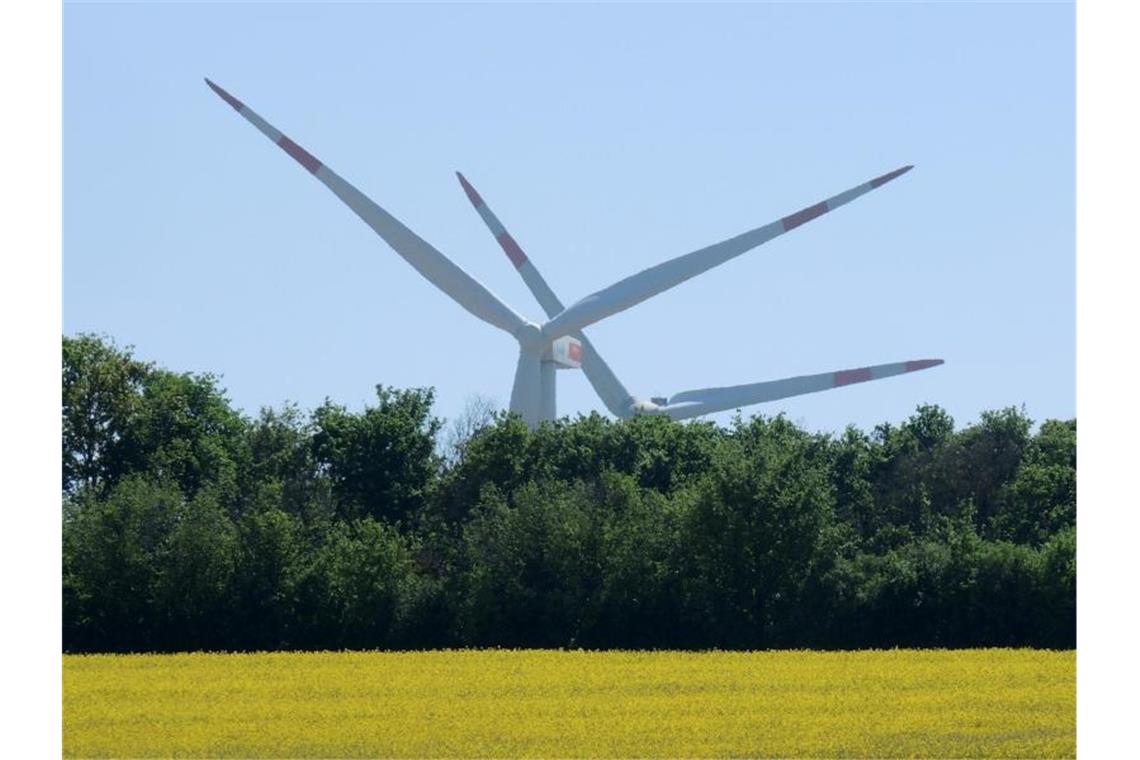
{"x":607,"y":139}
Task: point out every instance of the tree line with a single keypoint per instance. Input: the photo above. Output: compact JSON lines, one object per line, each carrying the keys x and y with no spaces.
{"x":187,"y":526}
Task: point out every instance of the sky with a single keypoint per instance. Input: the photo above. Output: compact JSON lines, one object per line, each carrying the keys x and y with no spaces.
{"x":607,"y":139}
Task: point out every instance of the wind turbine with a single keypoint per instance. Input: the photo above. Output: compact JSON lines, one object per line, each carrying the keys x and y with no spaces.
{"x":558,"y":341}
{"x":685,"y":404}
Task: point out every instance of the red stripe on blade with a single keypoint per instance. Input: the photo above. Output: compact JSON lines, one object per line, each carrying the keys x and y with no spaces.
{"x":877,"y":181}
{"x":237,"y":104}
{"x":304,"y":158}
{"x":848,"y":376}
{"x":918,"y":364}
{"x":471,"y":194}
{"x":514,"y":253}
{"x":806,"y":215}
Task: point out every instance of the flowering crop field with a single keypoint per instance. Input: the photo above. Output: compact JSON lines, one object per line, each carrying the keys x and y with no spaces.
{"x":503,"y":703}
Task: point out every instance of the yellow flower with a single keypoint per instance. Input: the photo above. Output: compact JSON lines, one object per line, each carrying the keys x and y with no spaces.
{"x":503,"y":703}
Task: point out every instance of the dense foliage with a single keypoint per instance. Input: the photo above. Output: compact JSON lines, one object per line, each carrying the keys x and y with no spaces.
{"x":189,"y":526}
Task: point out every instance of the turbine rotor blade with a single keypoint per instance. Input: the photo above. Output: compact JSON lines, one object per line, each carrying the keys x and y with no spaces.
{"x":708,"y":400}
{"x":534,"y":281}
{"x":429,"y":262}
{"x":603,"y":380}
{"x":649,"y":282}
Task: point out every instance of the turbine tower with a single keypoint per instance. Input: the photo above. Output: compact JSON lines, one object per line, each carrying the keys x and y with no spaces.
{"x":559,"y":341}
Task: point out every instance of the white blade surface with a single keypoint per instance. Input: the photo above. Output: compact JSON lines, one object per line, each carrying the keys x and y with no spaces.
{"x":647,"y":283}
{"x":433,"y":265}
{"x":605,"y":383}
{"x":708,"y":400}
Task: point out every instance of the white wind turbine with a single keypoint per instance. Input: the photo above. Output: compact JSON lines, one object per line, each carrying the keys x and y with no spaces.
{"x":559,"y":341}
{"x":686,"y":403}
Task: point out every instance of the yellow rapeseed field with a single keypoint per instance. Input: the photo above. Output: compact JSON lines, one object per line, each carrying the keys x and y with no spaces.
{"x":501,"y":703}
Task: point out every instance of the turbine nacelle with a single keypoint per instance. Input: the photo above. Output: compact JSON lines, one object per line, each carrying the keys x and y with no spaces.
{"x":565,"y":353}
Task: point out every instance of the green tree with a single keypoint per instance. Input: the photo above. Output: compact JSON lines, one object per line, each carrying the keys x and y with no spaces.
{"x":381,"y":462}
{"x":1041,"y":499}
{"x":196,"y":569}
{"x":111,"y":564}
{"x":187,"y":526}
{"x":102,"y":391}
{"x":354,"y":586}
{"x":987,"y":457}
{"x":284,"y":473}
{"x":641,"y":595}
{"x":187,"y":432}
{"x":908,"y":475}
{"x":752,"y":533}
{"x":497,"y":455}
{"x":272,"y":560}
{"x":853,"y":463}
{"x":662,"y":454}
{"x":532,"y":571}
{"x":1057,"y":612}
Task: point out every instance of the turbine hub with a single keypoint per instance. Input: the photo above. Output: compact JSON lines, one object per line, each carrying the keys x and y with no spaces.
{"x":646,"y":407}
{"x":530,"y":338}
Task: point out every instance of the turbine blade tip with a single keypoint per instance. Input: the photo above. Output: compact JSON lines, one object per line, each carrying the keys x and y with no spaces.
{"x":472,"y":195}
{"x":879,"y":181}
{"x":237,"y":104}
{"x":917,"y":364}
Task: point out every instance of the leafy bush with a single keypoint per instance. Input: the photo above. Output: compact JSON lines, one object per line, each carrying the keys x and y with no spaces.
{"x":187,"y":526}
